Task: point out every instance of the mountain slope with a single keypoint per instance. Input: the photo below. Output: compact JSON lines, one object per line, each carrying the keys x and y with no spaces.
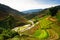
{"x":10,"y":16}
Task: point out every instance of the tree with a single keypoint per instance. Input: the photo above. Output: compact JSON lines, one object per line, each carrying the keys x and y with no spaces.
{"x":53,"y":11}
{"x":6,"y":34}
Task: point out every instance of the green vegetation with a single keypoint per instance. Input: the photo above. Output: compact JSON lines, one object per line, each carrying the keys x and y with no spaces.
{"x":58,"y":16}
{"x":41,"y":34}
{"x":6,"y":34}
{"x":43,"y":26}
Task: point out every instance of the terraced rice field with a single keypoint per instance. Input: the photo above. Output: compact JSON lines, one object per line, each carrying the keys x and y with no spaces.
{"x":50,"y":32}
{"x":52,"y":35}
{"x":44,"y":30}
{"x":41,"y":34}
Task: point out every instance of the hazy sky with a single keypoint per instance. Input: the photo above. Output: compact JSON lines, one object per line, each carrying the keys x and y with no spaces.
{"x":23,"y":5}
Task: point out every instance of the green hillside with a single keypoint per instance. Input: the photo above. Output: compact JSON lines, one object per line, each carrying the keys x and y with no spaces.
{"x":47,"y":30}
{"x":43,"y":25}
{"x":49,"y":22}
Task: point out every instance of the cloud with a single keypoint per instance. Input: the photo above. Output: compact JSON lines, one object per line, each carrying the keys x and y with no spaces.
{"x":23,"y":5}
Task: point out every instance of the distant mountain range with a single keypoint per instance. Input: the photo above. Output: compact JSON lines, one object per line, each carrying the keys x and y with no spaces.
{"x":33,"y":13}
{"x":32,"y":10}
{"x":22,"y":16}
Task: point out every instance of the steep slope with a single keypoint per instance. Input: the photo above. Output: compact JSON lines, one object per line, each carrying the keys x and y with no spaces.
{"x":9,"y":16}
{"x":7,"y":22}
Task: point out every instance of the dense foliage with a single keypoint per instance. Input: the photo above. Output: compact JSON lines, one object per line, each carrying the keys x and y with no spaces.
{"x":54,"y":10}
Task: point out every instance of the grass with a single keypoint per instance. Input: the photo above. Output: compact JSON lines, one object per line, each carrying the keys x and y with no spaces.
{"x":41,"y":34}
{"x":37,"y":33}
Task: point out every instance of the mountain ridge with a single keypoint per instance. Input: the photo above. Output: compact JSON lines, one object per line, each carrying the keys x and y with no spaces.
{"x":31,"y":11}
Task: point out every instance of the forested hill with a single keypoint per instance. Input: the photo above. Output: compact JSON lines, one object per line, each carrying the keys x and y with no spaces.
{"x":8,"y":10}
{"x":10,"y":16}
{"x":9,"y":19}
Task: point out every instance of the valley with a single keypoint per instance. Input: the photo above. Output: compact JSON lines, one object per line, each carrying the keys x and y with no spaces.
{"x":38,"y":24}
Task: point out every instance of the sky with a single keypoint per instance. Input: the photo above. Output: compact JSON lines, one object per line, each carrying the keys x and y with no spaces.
{"x":23,"y":5}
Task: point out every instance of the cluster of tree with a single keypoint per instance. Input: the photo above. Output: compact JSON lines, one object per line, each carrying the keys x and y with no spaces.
{"x":5,"y":28}
{"x":6,"y":34}
{"x":8,"y":23}
{"x":55,"y":11}
{"x":16,"y":16}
